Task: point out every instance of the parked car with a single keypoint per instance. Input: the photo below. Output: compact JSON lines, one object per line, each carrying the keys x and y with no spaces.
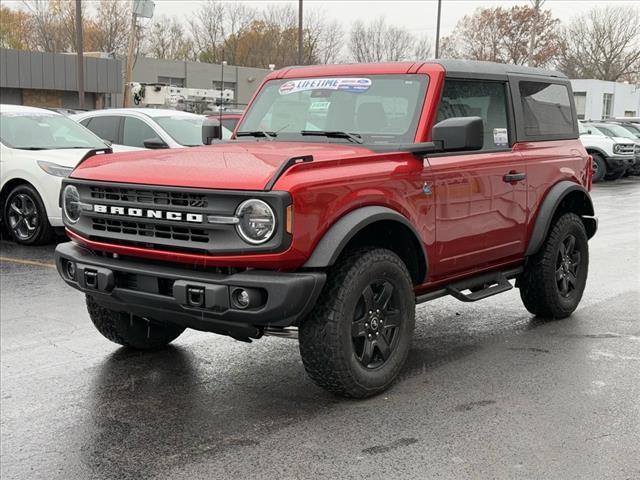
{"x":634,"y":128}
{"x":612,"y":156}
{"x":152,"y":128}
{"x":38,"y":148}
{"x":352,"y":193}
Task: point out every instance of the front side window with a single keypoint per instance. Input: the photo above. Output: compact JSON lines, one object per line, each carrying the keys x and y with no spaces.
{"x":379,"y":109}
{"x":136,"y":132}
{"x":546,"y":109}
{"x":42,"y":131}
{"x":484,"y":99}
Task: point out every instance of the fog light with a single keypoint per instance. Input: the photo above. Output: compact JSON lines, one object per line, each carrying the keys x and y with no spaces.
{"x":71,"y":270}
{"x":241,"y":298}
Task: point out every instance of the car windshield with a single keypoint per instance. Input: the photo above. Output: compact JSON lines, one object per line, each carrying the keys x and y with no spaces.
{"x":375,"y":108}
{"x":45,"y":131}
{"x":614,"y":130}
{"x":593,"y":129}
{"x":186,"y":129}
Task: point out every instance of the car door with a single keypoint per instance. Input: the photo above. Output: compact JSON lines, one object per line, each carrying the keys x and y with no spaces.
{"x":136,"y":132}
{"x":107,"y":127}
{"x":480,"y":196}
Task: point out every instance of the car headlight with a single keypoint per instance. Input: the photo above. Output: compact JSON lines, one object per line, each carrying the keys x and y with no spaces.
{"x":256,"y":221}
{"x":622,"y":147}
{"x":71,"y":203}
{"x":55,"y":169}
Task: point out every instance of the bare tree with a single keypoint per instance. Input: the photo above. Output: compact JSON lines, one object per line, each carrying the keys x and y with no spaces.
{"x":422,"y":48}
{"x":604,"y":44}
{"x":166,"y":39}
{"x":379,"y":42}
{"x":206,"y":27}
{"x":323,"y":40}
{"x":113,"y":19}
{"x":45,"y":24}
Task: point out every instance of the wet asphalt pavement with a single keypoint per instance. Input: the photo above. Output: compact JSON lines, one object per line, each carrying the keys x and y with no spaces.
{"x":488,"y":391}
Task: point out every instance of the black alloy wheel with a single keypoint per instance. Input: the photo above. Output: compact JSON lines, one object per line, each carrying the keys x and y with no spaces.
{"x":567,"y":265}
{"x":25,"y":217}
{"x":375,"y":329}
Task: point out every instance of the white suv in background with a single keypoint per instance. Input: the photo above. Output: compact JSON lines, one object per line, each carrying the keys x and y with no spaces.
{"x":38,"y":148}
{"x":146,"y":127}
{"x":612,"y":156}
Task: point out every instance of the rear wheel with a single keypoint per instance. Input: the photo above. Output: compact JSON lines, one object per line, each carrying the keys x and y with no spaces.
{"x":553,"y":281}
{"x":599,"y":167}
{"x":357,"y":338}
{"x":129,"y":330}
{"x":25,"y":217}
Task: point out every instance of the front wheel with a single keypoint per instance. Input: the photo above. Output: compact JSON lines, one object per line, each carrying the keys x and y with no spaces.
{"x":25,"y":216}
{"x":129,"y":330}
{"x":356,"y":339}
{"x":599,"y":167}
{"x":554,"y":279}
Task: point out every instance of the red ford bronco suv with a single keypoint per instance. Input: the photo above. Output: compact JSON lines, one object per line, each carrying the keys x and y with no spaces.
{"x":349,"y":194}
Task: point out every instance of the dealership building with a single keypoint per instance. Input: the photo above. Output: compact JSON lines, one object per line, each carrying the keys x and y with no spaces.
{"x":598,"y":99}
{"x":42,"y":79}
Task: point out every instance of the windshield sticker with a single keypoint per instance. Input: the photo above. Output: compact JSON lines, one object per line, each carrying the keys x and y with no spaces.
{"x":500,"y":137}
{"x":353,"y":85}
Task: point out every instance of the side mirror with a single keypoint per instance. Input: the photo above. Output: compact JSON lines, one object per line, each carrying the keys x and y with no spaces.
{"x":211,"y":131}
{"x":459,"y":133}
{"x":589,"y":132}
{"x":155,"y":143}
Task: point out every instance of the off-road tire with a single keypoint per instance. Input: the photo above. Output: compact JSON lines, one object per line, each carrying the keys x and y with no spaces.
{"x":538,"y":283}
{"x":43,"y":232}
{"x":614,"y":175}
{"x":599,"y":167}
{"x":129,"y":330}
{"x":326,"y":343}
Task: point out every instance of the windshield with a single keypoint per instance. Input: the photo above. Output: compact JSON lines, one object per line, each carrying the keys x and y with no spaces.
{"x":379,"y":108}
{"x":43,"y":131}
{"x":186,"y":130}
{"x":614,"y":130}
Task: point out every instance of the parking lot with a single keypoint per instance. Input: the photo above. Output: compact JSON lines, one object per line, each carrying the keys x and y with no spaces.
{"x":488,"y":391}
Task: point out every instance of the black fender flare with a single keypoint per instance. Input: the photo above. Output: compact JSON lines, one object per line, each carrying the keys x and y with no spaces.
{"x":342,"y":231}
{"x":599,"y":151}
{"x":548,"y":208}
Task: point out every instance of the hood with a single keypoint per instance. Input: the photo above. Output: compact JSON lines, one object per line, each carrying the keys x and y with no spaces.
{"x":232,"y":165}
{"x":66,"y":157}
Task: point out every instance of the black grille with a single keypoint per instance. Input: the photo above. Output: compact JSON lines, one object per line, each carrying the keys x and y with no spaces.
{"x":149,"y":197}
{"x":150,"y":230}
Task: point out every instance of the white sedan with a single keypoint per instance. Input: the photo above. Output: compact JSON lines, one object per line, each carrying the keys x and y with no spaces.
{"x":38,"y":148}
{"x":146,"y":127}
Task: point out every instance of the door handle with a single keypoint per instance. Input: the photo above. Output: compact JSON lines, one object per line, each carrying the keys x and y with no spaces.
{"x":514,"y":177}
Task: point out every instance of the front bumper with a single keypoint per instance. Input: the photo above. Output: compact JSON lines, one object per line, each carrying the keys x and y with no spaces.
{"x":620,"y":162}
{"x":161,"y":292}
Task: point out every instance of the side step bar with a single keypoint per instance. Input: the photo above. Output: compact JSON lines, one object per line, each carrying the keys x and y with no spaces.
{"x":482,"y":286}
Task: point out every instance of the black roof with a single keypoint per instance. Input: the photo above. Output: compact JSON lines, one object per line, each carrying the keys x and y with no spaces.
{"x":465,"y":68}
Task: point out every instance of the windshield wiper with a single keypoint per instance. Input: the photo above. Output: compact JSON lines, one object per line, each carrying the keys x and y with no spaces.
{"x":353,"y":137}
{"x":257,"y":133}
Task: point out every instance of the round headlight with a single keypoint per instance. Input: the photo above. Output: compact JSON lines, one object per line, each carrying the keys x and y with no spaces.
{"x":71,"y":203}
{"x":257,"y":222}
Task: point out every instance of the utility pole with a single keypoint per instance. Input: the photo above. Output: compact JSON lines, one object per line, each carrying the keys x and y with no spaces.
{"x":130,"y":53}
{"x":299,"y":32}
{"x":534,"y":27}
{"x":224,"y":62}
{"x":79,"y":54}
{"x":438,"y":30}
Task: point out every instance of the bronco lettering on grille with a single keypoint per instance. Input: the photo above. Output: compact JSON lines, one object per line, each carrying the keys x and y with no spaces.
{"x":149,"y":213}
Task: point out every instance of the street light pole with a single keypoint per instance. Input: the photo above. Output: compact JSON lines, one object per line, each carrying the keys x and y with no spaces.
{"x":79,"y":54}
{"x":438,"y":30}
{"x":299,"y":32}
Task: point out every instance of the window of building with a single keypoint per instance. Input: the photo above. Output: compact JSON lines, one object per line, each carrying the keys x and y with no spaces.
{"x":485,"y":99}
{"x":607,"y":105}
{"x":135,"y":132}
{"x":580,"y":99}
{"x":106,"y":127}
{"x":172,"y":81}
{"x":629,"y":113}
{"x":546,"y":109}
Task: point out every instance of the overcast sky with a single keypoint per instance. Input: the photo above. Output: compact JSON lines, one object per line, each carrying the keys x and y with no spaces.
{"x":418,"y":16}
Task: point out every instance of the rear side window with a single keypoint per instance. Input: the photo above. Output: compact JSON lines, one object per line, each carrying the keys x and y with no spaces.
{"x":105,"y":127}
{"x":484,"y":99}
{"x":546,"y":109}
